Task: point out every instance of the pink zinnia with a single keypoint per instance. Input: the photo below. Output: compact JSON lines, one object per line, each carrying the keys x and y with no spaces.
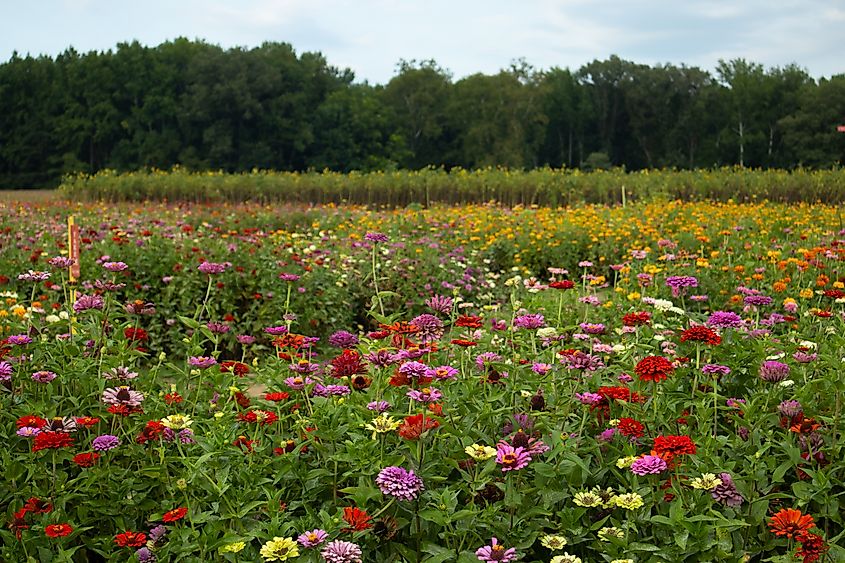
{"x":649,"y":465}
{"x":496,"y":552}
{"x":511,"y":458}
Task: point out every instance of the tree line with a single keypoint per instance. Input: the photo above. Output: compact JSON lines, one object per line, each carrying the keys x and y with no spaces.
{"x":204,"y":107}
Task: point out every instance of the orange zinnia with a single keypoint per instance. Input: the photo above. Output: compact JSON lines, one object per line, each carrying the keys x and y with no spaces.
{"x":791,"y":523}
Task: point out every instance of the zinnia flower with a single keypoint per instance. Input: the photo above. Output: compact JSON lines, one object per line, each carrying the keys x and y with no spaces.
{"x":399,"y":483}
{"x":511,"y":458}
{"x":279,"y":549}
{"x":653,"y":368}
{"x":791,"y":523}
{"x":58,"y":530}
{"x":105,"y":442}
{"x":339,"y":551}
{"x":495,"y":552}
{"x":649,"y":465}
{"x":313,"y":538}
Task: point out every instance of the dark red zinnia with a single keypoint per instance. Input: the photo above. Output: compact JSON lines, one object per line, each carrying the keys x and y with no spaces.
{"x":51,"y":440}
{"x":701,"y":334}
{"x":86,"y":459}
{"x":636,"y":319}
{"x":630,"y":428}
{"x":347,"y":364}
{"x":653,"y":368}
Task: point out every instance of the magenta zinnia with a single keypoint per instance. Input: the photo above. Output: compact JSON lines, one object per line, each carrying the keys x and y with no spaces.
{"x":399,"y":483}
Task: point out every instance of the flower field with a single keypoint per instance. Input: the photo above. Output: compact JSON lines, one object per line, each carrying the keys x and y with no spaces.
{"x":238,"y":382}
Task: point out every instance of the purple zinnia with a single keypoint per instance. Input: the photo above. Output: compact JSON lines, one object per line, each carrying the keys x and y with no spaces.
{"x":19,"y":340}
{"x":580,"y":360}
{"x":144,"y":555}
{"x":757,"y":300}
{"x":201,"y":362}
{"x":122,"y":373}
{"x":88,"y":302}
{"x":313,"y":538}
{"x":715,"y":369}
{"x":529,"y":322}
{"x":726,"y":493}
{"x":790,"y":408}
{"x":496,"y":553}
{"x":343,"y":339}
{"x":245,"y":339}
{"x":413,"y":369}
{"x":217,"y":328}
{"x":376,"y":237}
{"x":105,"y":442}
{"x":212,"y":268}
{"x":588,"y":398}
{"x":430,"y":328}
{"x":61,"y":262}
{"x":339,"y":551}
{"x":115,"y":266}
{"x":276,"y":330}
{"x":724,"y":319}
{"x":648,"y":465}
{"x":378,"y":406}
{"x":44,"y":376}
{"x":399,"y":483}
{"x":440,"y":304}
{"x":425,"y":395}
{"x":288,"y":277}
{"x":773,"y":371}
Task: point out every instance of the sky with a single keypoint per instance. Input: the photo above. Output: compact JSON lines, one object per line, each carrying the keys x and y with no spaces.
{"x":463,"y":36}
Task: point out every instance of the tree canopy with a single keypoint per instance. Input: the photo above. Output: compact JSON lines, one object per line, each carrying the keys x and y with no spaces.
{"x":198,"y":105}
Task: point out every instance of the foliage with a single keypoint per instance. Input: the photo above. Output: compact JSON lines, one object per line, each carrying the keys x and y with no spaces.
{"x":197,"y":105}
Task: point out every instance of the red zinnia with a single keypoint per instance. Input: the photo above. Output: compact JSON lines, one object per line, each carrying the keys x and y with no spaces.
{"x":654,"y":368}
{"x":469,"y":321}
{"x":349,"y":363}
{"x":173,"y":398}
{"x":357,"y":519}
{"x":175,"y":514}
{"x":152,"y":431}
{"x":51,"y":440}
{"x":136,"y":334}
{"x":238,"y":368}
{"x":791,"y":523}
{"x":413,"y":427}
{"x":464,"y":343}
{"x":58,"y":530}
{"x":812,"y":547}
{"x":31,"y":421}
{"x":668,"y":447}
{"x":630,"y":427}
{"x":38,"y":506}
{"x":130,"y":539}
{"x":701,"y":334}
{"x":636,"y":319}
{"x":259,"y":416}
{"x":86,"y":460}
{"x":562,"y":284}
{"x":87,"y":421}
{"x":276,"y":397}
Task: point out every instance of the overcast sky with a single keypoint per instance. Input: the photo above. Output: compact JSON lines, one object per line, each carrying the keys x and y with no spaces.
{"x":464,"y":36}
